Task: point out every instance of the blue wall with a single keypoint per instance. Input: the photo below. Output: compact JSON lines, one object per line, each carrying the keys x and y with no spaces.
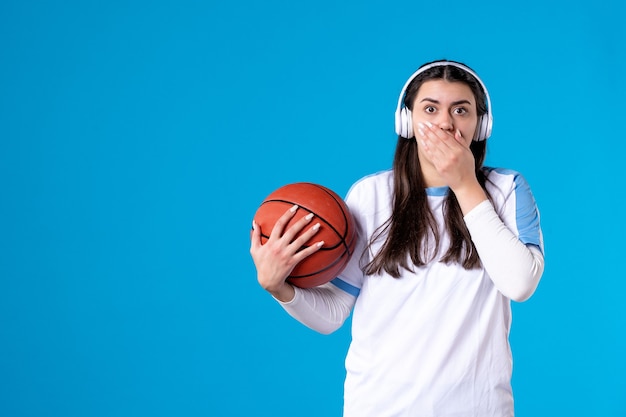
{"x":138,"y":138}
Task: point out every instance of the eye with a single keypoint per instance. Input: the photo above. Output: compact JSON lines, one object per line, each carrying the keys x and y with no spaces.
{"x":430,"y":109}
{"x":460,"y":111}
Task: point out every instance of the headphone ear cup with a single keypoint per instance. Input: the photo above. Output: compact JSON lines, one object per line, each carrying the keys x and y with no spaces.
{"x":484,"y":127}
{"x":480,"y":131}
{"x":407,"y":123}
{"x":399,"y":122}
{"x":401,"y":118}
{"x":488,"y":125}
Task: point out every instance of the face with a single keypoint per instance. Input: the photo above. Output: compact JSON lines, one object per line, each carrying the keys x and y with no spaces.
{"x":449,"y":105}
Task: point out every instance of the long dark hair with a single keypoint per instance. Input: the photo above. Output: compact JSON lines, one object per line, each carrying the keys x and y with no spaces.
{"x":412,"y":226}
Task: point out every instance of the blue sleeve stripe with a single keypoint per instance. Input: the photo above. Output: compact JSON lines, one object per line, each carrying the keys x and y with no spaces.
{"x":527,"y":215}
{"x":350,"y":289}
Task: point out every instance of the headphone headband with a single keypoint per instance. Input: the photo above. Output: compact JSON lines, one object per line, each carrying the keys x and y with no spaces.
{"x":404,"y":123}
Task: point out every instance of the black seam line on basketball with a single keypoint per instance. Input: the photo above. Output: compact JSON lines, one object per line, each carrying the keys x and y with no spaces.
{"x":323,"y":248}
{"x":321,"y":270}
{"x":345,"y":219}
{"x":347,"y":247}
{"x":341,"y":236}
{"x":340,"y":203}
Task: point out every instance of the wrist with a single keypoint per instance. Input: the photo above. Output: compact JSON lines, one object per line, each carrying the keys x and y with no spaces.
{"x":285,"y":293}
{"x":469,"y":196}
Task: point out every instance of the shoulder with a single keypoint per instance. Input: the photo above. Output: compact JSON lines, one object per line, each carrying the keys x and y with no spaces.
{"x":505,"y":179}
{"x":371,"y":191}
{"x":516,"y":204}
{"x":377,"y":180}
{"x":509,"y":188}
{"x":496,"y":172}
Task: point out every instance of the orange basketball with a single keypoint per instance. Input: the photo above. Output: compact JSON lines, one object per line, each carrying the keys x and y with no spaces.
{"x":337,"y":229}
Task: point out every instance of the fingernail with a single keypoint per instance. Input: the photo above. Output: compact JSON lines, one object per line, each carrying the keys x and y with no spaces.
{"x":429,"y":124}
{"x":316,"y":227}
{"x":420,"y":124}
{"x":320,"y":244}
{"x":294,"y":208}
{"x":309,"y":216}
{"x":421,"y":132}
{"x":253,"y":224}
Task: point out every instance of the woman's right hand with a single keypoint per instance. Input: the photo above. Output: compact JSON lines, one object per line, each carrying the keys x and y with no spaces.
{"x":275,"y":259}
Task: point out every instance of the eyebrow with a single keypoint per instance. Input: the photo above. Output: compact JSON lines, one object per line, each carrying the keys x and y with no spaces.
{"x":454,"y":103}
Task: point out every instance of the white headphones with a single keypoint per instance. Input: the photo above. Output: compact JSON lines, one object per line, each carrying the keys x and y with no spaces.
{"x":404,"y":121}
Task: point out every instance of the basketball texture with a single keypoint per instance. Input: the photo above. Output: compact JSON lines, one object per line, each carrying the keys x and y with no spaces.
{"x":337,"y":229}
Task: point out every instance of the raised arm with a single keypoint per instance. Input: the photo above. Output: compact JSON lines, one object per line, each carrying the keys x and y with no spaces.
{"x":514,"y":268}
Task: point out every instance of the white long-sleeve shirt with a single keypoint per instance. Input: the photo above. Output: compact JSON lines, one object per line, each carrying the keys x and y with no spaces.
{"x":433,"y":342}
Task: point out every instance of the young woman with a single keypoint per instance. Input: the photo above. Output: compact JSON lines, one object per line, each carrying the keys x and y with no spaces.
{"x":444,"y":245}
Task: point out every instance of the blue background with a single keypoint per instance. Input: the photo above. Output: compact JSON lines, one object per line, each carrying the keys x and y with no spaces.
{"x":138,"y":138}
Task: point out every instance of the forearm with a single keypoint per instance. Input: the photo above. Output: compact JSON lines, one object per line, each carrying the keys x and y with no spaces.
{"x":514,"y":268}
{"x":323,"y":309}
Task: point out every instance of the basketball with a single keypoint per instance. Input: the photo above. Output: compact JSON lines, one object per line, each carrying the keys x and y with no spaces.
{"x":337,"y":229}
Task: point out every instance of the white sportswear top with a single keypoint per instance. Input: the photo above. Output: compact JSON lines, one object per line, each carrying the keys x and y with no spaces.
{"x":433,"y":343}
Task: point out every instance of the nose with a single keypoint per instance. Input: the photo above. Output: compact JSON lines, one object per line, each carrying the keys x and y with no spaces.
{"x":445,"y":121}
